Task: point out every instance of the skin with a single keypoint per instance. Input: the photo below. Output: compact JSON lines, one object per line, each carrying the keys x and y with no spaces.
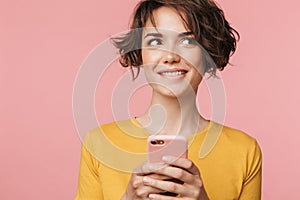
{"x":166,"y":50}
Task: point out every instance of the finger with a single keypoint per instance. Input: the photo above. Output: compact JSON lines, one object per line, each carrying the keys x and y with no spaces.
{"x":183,"y":163}
{"x":165,"y":185}
{"x":159,"y":176}
{"x":162,"y":197}
{"x":147,"y":168}
{"x":143,"y":192}
{"x":175,"y":173}
{"x":141,"y":169}
{"x":137,"y":179}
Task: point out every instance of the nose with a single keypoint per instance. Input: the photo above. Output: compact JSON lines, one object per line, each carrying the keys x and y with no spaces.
{"x":170,"y":58}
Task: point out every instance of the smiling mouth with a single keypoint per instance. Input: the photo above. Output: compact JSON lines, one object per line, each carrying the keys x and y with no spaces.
{"x":172,"y":73}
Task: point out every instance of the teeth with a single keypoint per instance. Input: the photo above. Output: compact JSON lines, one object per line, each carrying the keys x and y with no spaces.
{"x":172,"y":73}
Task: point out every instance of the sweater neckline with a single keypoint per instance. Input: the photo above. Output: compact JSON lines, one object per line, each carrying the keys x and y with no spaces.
{"x":206,"y":128}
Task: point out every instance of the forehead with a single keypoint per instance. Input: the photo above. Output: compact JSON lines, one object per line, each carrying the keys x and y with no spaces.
{"x":166,"y":18}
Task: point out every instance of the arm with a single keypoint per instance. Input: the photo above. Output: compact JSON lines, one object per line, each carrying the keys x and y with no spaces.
{"x":252,"y":184}
{"x":89,"y":186}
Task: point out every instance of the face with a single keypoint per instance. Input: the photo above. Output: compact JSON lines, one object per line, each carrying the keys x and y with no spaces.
{"x":172,"y":60}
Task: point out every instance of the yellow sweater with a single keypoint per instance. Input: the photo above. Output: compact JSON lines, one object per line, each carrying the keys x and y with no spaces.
{"x":229,"y":161}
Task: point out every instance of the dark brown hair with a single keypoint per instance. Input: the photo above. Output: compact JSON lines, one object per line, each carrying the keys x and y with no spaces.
{"x":202,"y":17}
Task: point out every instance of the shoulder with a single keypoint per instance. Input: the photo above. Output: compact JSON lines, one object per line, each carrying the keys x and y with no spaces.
{"x":233,"y":140}
{"x":117,"y":139}
{"x":240,"y":142}
{"x":128,"y":127}
{"x":227,"y":134}
{"x":236,"y":135}
{"x":98,"y":140}
{"x":246,"y":149}
{"x":111,"y":128}
{"x":120,"y":133}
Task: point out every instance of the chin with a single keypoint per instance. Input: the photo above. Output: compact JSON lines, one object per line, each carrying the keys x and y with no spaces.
{"x":173,"y":92}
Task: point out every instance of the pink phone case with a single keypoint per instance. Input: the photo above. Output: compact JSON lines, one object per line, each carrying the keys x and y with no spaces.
{"x":166,"y":145}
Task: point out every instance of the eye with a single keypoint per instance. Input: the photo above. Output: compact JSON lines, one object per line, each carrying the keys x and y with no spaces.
{"x":188,"y":41}
{"x":154,"y":42}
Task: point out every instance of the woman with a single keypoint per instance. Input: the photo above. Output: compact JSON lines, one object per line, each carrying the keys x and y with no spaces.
{"x":169,"y":39}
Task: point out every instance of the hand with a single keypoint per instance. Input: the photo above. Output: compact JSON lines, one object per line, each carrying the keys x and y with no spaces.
{"x":181,"y":169}
{"x":136,"y":189}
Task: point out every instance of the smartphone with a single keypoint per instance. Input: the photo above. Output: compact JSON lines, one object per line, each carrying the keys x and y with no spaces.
{"x":166,"y":145}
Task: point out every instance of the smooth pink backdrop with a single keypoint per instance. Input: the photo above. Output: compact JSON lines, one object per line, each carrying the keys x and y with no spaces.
{"x":43,"y":43}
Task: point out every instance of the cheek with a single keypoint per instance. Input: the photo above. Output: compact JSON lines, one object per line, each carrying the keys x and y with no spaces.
{"x":150,"y":57}
{"x":194,"y":58}
{"x":195,"y":80}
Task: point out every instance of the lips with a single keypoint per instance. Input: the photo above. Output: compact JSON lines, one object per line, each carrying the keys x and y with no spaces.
{"x":173,"y":73}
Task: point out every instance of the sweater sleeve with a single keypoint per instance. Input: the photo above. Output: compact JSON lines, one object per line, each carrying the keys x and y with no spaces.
{"x":251,"y":189}
{"x":89,"y":185}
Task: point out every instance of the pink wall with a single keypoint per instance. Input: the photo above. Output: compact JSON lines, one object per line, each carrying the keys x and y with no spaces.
{"x":43,"y":43}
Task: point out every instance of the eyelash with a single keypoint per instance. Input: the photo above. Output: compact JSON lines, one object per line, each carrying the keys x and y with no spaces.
{"x":153,"y":40}
{"x":191,"y":41}
{"x":159,"y":41}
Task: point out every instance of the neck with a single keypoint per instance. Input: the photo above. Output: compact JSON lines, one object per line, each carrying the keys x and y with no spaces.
{"x":171,"y":115}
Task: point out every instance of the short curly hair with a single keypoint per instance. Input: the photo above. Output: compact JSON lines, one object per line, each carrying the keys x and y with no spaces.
{"x":202,"y":17}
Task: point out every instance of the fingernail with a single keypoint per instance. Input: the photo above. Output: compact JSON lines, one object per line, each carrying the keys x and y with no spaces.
{"x":167,"y":159}
{"x":155,"y":167}
{"x":152,"y":196}
{"x":151,"y":167}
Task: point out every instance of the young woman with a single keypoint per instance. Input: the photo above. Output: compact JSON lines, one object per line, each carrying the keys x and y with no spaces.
{"x":172,"y":41}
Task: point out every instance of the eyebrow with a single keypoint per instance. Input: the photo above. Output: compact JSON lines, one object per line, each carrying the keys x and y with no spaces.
{"x":184,"y":34}
{"x":153,"y":35}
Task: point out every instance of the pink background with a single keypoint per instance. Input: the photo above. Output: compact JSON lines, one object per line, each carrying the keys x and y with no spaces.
{"x":43,"y":43}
